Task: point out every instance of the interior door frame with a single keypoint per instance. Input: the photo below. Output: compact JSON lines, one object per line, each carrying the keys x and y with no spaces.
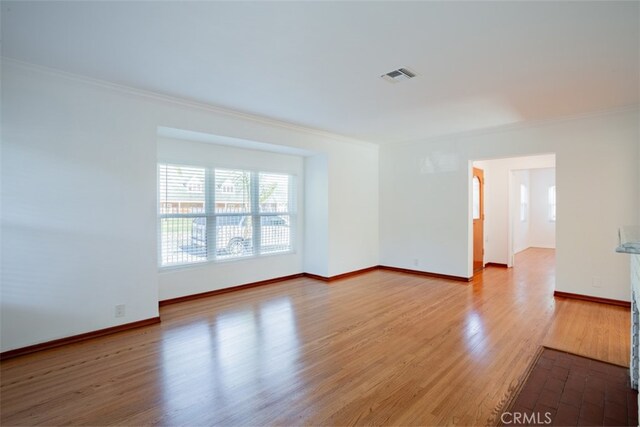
{"x":481,"y":219}
{"x":514,"y":209}
{"x":470,"y":218}
{"x":513,"y":206}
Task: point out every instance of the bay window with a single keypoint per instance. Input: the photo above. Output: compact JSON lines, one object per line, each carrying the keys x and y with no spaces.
{"x":211,"y":214}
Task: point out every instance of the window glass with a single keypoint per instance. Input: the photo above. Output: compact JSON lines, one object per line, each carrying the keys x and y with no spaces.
{"x":274,"y":192}
{"x":552,"y":203}
{"x":275,"y":233}
{"x":182,"y":222}
{"x":218,"y":214}
{"x":524,"y":202}
{"x":181,"y":189}
{"x":234,"y":236}
{"x":233,"y":189}
{"x":476,"y":197}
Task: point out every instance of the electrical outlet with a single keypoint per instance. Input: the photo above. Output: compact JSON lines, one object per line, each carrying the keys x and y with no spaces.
{"x":120,"y":310}
{"x":596,"y":282}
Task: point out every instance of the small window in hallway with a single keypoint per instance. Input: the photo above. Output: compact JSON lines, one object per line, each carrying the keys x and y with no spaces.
{"x":552,"y":203}
{"x":524,"y":202}
{"x":476,"y":197}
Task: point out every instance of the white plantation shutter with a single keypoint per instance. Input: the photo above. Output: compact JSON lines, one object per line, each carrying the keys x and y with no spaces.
{"x":182,"y":203}
{"x":233,"y":231}
{"x":276,"y":201}
{"x":217,"y":214}
{"x":232,"y":191}
{"x":274,"y":193}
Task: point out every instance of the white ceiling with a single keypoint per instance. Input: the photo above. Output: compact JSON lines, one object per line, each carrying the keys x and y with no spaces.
{"x":317,"y":64}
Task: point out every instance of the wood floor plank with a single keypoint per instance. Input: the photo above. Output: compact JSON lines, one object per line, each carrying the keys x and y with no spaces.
{"x":382,"y":348}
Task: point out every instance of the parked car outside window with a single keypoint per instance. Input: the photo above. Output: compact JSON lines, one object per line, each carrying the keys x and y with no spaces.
{"x":234,"y":234}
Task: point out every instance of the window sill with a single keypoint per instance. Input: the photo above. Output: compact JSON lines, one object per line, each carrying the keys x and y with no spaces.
{"x":201,"y":264}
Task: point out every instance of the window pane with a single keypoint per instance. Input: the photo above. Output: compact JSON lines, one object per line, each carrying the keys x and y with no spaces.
{"x":274,"y":192}
{"x":524,"y":202}
{"x":181,"y":189}
{"x":275,"y":233}
{"x":233,"y":191}
{"x":190,"y":232}
{"x":183,"y":240}
{"x":476,"y":197}
{"x":234,"y":236}
{"x":552,"y":203}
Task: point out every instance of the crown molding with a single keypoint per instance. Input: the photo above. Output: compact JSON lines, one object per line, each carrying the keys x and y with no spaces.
{"x":159,"y":97}
{"x":519,"y":126}
{"x":184,"y":102}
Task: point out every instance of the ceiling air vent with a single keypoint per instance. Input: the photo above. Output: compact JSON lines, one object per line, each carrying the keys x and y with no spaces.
{"x":398,"y":75}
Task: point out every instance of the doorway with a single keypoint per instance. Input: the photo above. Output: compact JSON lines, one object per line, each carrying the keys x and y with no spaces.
{"x":478,"y":219}
{"x":511,"y":208}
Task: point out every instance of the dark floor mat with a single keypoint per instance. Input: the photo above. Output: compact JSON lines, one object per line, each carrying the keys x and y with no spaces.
{"x":564,"y":389}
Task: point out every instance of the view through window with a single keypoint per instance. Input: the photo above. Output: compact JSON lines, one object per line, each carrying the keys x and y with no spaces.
{"x":524,"y":202}
{"x":552,"y":203}
{"x":217,"y":214}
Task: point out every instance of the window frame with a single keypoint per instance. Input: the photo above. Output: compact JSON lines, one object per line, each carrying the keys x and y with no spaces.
{"x":210,"y":215}
{"x":524,"y":202}
{"x":476,"y":198}
{"x":552,"y":205}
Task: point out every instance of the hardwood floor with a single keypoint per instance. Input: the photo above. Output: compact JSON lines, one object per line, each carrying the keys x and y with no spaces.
{"x":380,"y":348}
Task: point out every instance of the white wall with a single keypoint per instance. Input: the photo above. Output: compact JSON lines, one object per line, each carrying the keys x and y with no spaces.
{"x":353,"y":210}
{"x":79,"y":199}
{"x":316,"y":230}
{"x":188,"y":280}
{"x":425,"y":197}
{"x":543,"y":230}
